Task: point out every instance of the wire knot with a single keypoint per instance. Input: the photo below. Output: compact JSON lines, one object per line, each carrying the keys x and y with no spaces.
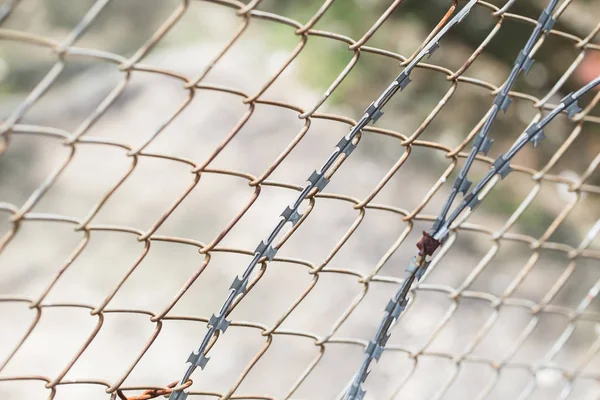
{"x":154,"y":393}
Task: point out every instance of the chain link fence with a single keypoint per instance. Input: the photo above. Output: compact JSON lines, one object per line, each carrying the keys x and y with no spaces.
{"x":142,"y":207}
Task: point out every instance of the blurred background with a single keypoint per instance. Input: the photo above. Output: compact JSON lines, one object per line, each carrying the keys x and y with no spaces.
{"x":452,"y":343}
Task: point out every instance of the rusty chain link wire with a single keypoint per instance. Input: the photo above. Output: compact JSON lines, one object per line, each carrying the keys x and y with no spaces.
{"x":153,"y":393}
{"x":441,"y":235}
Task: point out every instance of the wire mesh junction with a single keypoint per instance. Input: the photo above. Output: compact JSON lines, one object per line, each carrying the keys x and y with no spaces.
{"x":448,"y":373}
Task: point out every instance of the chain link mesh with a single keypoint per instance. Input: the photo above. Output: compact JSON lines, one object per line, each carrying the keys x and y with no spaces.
{"x":584,"y":371}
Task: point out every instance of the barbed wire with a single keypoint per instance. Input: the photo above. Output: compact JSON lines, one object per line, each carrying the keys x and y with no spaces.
{"x":429,"y":244}
{"x":502,"y":101}
{"x":267,"y":249}
{"x":317,"y":181}
{"x":430,"y":241}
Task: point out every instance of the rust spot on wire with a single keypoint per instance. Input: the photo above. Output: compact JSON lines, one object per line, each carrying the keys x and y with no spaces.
{"x":427,"y":245}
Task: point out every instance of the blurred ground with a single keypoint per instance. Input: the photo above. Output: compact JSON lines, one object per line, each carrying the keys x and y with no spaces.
{"x":39,"y":249}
